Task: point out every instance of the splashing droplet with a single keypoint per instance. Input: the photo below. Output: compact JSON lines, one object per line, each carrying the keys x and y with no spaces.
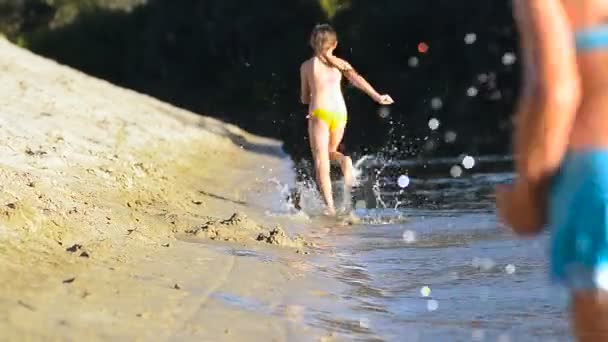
{"x":433,"y":124}
{"x":468,"y":162}
{"x":403,"y":181}
{"x":384,"y":112}
{"x":425,"y":291}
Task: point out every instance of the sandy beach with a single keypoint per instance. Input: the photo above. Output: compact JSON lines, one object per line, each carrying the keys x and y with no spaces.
{"x":122,"y":216}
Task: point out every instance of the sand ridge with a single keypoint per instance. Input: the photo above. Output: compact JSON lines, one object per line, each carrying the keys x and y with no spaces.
{"x":97,"y":185}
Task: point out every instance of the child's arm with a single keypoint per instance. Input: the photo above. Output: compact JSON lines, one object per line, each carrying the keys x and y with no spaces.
{"x":304,"y":86}
{"x":358,"y":80}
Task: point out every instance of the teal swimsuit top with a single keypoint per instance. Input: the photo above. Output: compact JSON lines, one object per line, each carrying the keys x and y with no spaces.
{"x":593,"y":38}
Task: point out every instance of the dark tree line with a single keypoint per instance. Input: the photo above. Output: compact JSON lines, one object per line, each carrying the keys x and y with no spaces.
{"x":238,"y":60}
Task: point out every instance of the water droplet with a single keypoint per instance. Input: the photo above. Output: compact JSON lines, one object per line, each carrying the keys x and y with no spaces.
{"x":413,"y":62}
{"x":483,"y":78}
{"x":432,"y":305}
{"x":472,"y":92}
{"x":364,"y":323}
{"x":433,"y":124}
{"x":425,"y":291}
{"x":450,"y":137}
{"x":384,"y":112}
{"x":456,"y":171}
{"x":409,"y":237}
{"x":509,"y":58}
{"x":403,"y":181}
{"x":436,"y":103}
{"x":478,"y":335}
{"x":510,"y":268}
{"x":468,"y":162}
{"x":470,"y":38}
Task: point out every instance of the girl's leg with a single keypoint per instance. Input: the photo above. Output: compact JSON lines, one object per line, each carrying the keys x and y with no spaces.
{"x":318,"y":133}
{"x":346,"y":163}
{"x":590,"y":315}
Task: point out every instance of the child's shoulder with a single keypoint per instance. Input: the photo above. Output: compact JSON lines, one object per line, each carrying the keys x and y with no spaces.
{"x":306,"y":64}
{"x":309,"y":61}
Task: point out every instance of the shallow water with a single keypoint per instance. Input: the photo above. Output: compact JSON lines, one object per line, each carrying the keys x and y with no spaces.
{"x":430,"y":263}
{"x":449,"y":273}
{"x":461,"y":279}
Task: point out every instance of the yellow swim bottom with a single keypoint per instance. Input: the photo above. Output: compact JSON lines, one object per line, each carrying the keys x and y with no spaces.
{"x":332,"y":119}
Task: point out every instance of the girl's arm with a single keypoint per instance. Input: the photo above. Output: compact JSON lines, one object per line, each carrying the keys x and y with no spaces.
{"x":304,"y":86}
{"x":358,"y":80}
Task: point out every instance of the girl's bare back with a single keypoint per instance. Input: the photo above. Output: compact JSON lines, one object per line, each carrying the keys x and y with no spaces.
{"x":325,"y":86}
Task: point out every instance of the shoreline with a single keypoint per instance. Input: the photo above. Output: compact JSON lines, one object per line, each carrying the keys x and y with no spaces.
{"x":100,"y":184}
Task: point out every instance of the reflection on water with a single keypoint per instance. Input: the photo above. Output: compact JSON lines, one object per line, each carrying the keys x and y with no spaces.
{"x":433,"y":265}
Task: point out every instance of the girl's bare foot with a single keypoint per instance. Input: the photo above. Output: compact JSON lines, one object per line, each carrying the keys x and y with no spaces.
{"x":329,"y":211}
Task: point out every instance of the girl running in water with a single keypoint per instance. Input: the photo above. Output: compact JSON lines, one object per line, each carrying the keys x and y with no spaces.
{"x":321,"y":90}
{"x":561,"y":147}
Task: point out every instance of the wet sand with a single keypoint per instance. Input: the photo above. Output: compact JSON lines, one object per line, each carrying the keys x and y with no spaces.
{"x":121,"y":216}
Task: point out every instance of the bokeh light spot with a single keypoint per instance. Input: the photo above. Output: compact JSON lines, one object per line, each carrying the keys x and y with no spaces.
{"x":470,"y":38}
{"x":423,"y":47}
{"x":433,"y":124}
{"x":468,"y":162}
{"x":425,"y":291}
{"x":409,"y":236}
{"x":403,"y":181}
{"x":432,"y":305}
{"x":456,"y":171}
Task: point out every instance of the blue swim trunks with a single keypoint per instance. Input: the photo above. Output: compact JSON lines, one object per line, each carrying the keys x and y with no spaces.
{"x":578,"y":217}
